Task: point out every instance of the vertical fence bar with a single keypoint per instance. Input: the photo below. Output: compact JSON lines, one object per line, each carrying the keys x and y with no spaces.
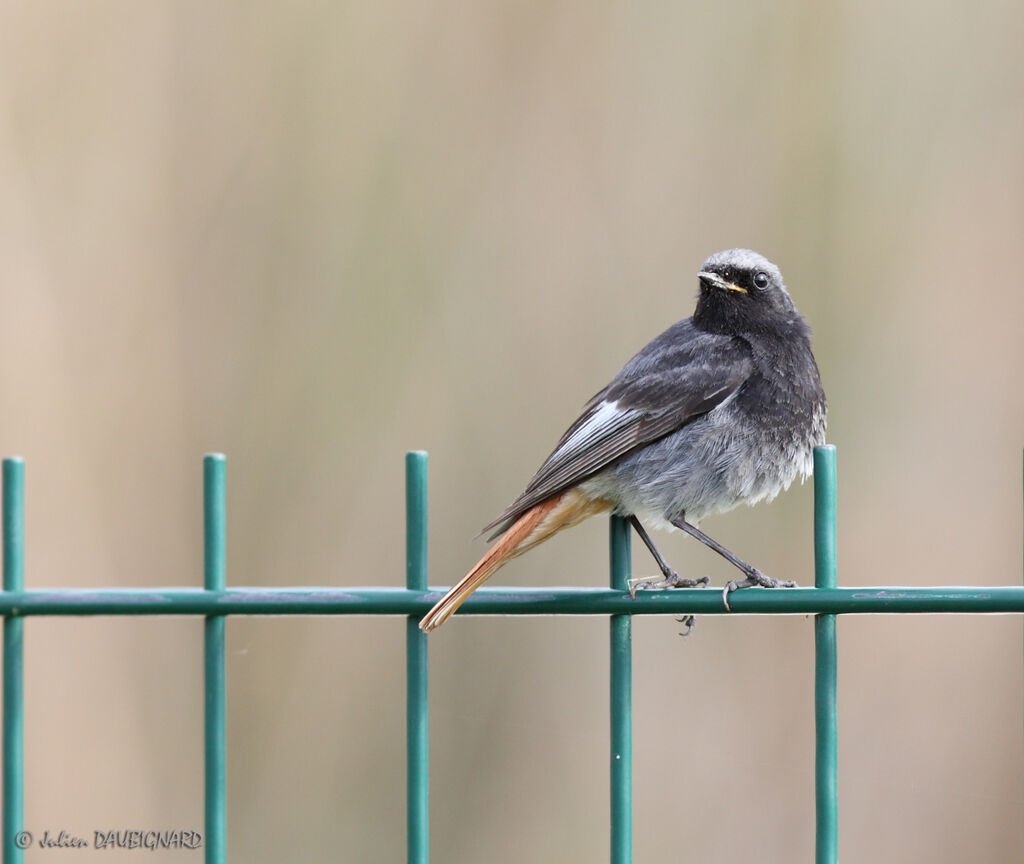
{"x":825,"y":659}
{"x":416,"y":702}
{"x":14,"y":708}
{"x":621,"y":687}
{"x":214,"y":571}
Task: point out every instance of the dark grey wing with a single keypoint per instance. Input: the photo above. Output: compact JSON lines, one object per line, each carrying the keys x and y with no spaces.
{"x":679,"y":376}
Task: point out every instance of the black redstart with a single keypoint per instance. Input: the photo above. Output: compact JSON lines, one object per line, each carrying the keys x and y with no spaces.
{"x":721,"y":409}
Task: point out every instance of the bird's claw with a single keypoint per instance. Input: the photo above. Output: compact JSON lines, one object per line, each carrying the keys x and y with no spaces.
{"x":687,"y":621}
{"x":754,"y":578}
{"x":671,"y":580}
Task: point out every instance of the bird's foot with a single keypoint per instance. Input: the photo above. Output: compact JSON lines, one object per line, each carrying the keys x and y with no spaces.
{"x":688,"y":621}
{"x":671,"y":580}
{"x":754,"y":578}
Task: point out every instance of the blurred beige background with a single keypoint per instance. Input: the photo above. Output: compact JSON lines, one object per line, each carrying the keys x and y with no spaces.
{"x":315,"y":235}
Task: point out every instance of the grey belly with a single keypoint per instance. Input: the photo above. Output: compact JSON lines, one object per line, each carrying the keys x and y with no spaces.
{"x":707,"y":467}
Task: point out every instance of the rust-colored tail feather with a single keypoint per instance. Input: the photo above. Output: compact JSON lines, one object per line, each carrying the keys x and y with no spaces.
{"x":533,"y":527}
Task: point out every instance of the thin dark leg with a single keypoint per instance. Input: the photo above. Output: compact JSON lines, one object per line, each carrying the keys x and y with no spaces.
{"x":666,"y":571}
{"x":672,"y":579}
{"x":739,"y":563}
{"x":754,"y":576}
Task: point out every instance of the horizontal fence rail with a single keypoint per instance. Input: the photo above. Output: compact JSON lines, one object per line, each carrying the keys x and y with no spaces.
{"x":510,"y":601}
{"x":215,"y":602}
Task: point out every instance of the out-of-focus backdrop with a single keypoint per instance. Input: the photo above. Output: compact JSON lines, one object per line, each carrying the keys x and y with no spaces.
{"x":314,"y":235}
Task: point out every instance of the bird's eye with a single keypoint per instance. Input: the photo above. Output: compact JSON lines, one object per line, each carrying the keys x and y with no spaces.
{"x":761,"y":279}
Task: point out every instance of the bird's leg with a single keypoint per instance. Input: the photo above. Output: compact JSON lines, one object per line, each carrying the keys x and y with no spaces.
{"x":671,"y":580}
{"x":666,"y":571}
{"x":754,"y":576}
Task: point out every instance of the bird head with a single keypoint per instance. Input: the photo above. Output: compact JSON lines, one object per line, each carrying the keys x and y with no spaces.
{"x":742,"y":292}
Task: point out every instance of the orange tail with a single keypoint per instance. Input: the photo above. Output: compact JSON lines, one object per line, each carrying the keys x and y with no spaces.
{"x":533,"y":527}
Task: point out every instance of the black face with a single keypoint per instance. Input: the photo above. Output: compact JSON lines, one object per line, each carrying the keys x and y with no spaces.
{"x":741,"y":291}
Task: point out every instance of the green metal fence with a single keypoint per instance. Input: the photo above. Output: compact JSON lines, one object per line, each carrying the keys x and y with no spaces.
{"x":215,"y":601}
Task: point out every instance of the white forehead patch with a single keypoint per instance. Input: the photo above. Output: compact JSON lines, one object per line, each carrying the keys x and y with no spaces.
{"x":742,"y":259}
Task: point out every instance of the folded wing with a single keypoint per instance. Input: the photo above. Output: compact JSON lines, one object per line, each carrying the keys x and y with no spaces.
{"x":680,"y":376}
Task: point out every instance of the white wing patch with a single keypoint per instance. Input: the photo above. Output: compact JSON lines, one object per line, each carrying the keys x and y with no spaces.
{"x":606,"y":419}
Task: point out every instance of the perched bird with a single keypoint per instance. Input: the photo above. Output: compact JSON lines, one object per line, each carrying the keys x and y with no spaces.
{"x":721,"y":409}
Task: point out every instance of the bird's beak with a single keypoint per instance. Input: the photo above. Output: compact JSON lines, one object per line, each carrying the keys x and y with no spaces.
{"x":713,"y":280}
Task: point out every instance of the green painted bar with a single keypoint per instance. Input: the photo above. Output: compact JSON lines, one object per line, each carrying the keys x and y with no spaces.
{"x":14,"y":705}
{"x":214,"y":577}
{"x":621,"y":691}
{"x":417,"y":727}
{"x":825,"y":660}
{"x":512,"y":601}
